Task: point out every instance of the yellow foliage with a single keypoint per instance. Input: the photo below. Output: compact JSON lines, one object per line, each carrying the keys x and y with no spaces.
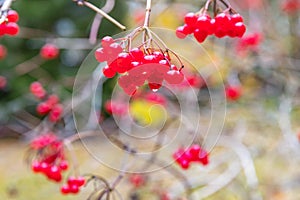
{"x":147,"y":113}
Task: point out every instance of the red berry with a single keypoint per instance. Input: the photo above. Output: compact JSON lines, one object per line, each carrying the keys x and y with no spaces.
{"x":113,"y":51}
{"x":204,"y":25}
{"x":185,"y":164}
{"x":52,"y":100}
{"x":3,"y":52}
{"x":134,"y":64}
{"x":12,"y":16}
{"x":65,"y":189}
{"x":55,"y":113}
{"x":154,"y":86}
{"x":106,"y":41}
{"x":149,"y":59}
{"x":180,"y":32}
{"x":137,"y":54}
{"x":200,"y":35}
{"x":11,"y":28}
{"x":164,"y":196}
{"x":124,"y":81}
{"x":80,"y":181}
{"x":190,"y":19}
{"x":137,"y":180}
{"x":222,"y":19}
{"x":123,"y":62}
{"x":37,"y":90}
{"x":194,"y":152}
{"x":233,"y":92}
{"x":174,"y":77}
{"x":72,"y":180}
{"x":291,"y":6}
{"x":203,"y":157}
{"x":222,"y":25}
{"x":164,"y":62}
{"x":44,"y":167}
{"x":43,"y":108}
{"x":64,"y":165}
{"x":240,"y":29}
{"x":36,"y":166}
{"x":108,"y":72}
{"x":195,"y":81}
{"x":100,"y":55}
{"x":130,"y":90}
{"x":236,"y":18}
{"x":49,"y":51}
{"x":158,"y":56}
{"x":74,"y":189}
{"x":54,"y":173}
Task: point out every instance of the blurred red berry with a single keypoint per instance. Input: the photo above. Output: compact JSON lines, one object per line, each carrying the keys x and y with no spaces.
{"x":37,"y":90}
{"x":55,"y":113}
{"x":49,"y":51}
{"x":12,"y":16}
{"x":137,"y":180}
{"x":233,"y":92}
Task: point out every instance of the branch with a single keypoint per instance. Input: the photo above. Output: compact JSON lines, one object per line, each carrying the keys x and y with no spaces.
{"x":6,"y":5}
{"x":109,"y":5}
{"x":147,"y":14}
{"x":101,"y":12}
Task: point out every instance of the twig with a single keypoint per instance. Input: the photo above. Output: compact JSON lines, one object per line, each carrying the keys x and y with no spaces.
{"x":246,"y":162}
{"x":6,"y":5}
{"x":101,"y":12}
{"x":147,"y":14}
{"x":109,"y":5}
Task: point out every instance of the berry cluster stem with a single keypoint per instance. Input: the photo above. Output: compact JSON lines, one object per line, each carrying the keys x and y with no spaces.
{"x":101,"y":12}
{"x":215,"y":8}
{"x":147,"y":14}
{"x":6,"y":5}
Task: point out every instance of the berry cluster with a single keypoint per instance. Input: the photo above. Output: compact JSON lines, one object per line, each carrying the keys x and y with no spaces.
{"x":73,"y":185}
{"x":53,"y":172}
{"x":202,"y":25}
{"x":3,"y":52}
{"x":9,"y":26}
{"x":140,"y":66}
{"x":233,"y":92}
{"x":50,"y":160}
{"x":50,"y":103}
{"x":153,"y":68}
{"x":49,"y":51}
{"x":193,"y":154}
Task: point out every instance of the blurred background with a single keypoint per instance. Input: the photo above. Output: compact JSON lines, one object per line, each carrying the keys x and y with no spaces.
{"x":258,"y":152}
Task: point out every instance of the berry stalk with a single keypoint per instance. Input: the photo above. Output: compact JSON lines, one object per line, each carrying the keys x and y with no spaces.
{"x":101,"y":12}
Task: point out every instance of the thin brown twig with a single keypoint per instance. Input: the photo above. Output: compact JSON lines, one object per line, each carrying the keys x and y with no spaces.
{"x":101,"y":12}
